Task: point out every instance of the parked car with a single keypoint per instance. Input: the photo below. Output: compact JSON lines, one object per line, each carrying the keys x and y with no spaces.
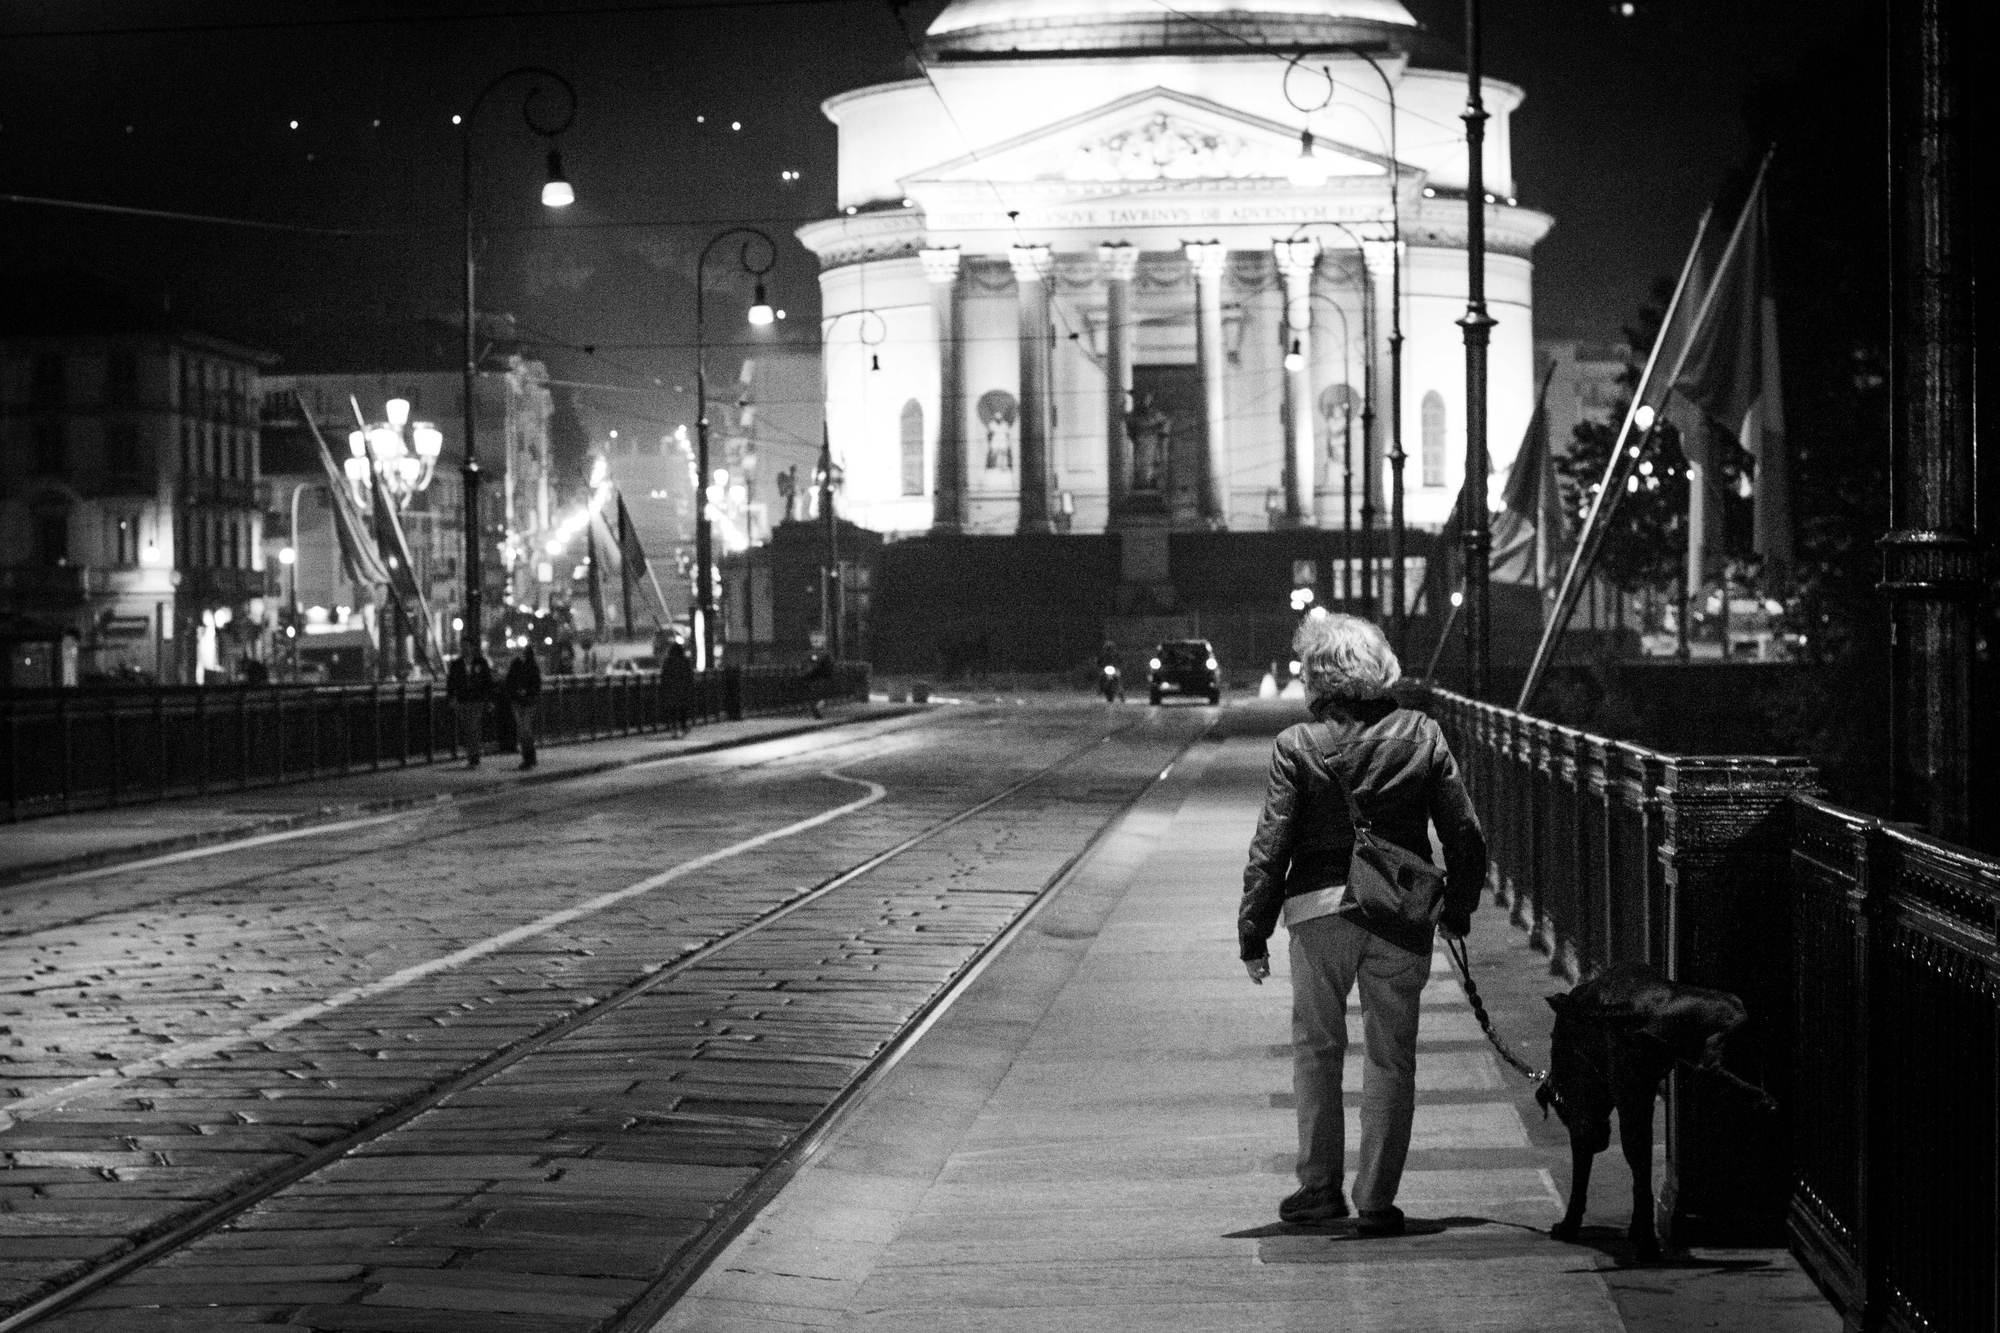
{"x":1184,"y":667}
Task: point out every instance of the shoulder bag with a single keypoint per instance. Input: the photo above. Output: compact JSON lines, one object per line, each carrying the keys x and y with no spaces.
{"x":1392,"y":885}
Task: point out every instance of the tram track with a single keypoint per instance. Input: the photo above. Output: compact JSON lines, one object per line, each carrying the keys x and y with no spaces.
{"x":718,"y":761}
{"x":212,"y":1219}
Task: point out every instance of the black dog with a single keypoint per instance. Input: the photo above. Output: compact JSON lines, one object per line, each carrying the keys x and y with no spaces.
{"x":1617,"y":1037}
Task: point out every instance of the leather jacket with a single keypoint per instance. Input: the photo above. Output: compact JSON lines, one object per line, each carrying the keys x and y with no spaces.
{"x":1403,"y":777}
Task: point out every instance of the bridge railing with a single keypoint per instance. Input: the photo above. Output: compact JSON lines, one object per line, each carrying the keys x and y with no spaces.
{"x":1896,"y":1070}
{"x":1868,"y":955}
{"x":1609,"y":852}
{"x":64,"y":750}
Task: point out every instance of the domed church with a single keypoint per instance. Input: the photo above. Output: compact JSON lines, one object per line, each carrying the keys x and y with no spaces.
{"x":1111,"y":266}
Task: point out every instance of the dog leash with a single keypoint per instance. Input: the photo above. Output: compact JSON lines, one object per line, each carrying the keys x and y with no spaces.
{"x":1456,"y":948}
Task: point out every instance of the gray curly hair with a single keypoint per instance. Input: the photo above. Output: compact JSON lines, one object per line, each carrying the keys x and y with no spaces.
{"x":1344,"y":657}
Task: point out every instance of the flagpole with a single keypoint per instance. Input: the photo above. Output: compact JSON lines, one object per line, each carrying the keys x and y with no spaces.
{"x":1585,"y":554}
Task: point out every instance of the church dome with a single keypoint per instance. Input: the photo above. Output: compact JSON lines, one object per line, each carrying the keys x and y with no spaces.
{"x":988,"y":28}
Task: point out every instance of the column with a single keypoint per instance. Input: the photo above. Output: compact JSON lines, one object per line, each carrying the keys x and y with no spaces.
{"x":1296,"y":261}
{"x":1120,"y":262}
{"x":1207,"y":259}
{"x":948,"y":478}
{"x":1379,"y":458}
{"x":1032,"y":265}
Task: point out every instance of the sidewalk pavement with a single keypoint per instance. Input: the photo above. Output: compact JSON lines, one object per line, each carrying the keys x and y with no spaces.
{"x":63,"y":844}
{"x":1095,"y":1136}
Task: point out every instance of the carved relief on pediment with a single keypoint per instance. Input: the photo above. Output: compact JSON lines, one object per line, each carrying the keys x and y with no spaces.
{"x":1163,"y":147}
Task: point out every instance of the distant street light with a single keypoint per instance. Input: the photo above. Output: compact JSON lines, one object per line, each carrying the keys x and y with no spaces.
{"x":556,"y":193}
{"x":759,"y":315}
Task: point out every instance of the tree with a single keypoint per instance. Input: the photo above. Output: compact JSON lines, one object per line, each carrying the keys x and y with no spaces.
{"x":1644,"y":544}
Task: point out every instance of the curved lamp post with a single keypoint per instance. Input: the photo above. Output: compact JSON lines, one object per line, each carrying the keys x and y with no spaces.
{"x":1368,"y":364}
{"x":556,"y":193}
{"x":1396,"y":456}
{"x":760,"y":316}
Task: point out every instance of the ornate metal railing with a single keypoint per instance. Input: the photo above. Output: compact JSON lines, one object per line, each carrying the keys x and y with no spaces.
{"x":63,"y":750}
{"x":1868,"y":954}
{"x":1609,"y":852}
{"x":1896,"y":1142}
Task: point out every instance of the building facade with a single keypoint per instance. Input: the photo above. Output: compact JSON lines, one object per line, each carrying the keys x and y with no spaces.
{"x":1088,"y":275}
{"x":130,"y":529}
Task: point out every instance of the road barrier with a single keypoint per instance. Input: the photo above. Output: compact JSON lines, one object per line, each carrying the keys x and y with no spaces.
{"x":1869,"y":957}
{"x":86,"y":749}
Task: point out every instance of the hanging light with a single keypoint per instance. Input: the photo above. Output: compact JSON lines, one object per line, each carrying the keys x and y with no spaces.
{"x":874,"y":361}
{"x":760,"y":309}
{"x":398,"y":411}
{"x":357,"y":444}
{"x":428,"y":439}
{"x":1643,"y":418}
{"x":1295,"y":360}
{"x":1307,"y":171}
{"x":557,"y":193}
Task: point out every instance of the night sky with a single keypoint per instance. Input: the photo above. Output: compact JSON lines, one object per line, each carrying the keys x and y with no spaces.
{"x":1631,"y":123}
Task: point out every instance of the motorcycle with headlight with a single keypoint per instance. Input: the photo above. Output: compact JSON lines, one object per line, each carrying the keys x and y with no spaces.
{"x":1110,"y":683}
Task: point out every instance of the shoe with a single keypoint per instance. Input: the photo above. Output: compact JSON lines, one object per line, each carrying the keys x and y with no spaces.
{"x":1381,"y":1222}
{"x":1311,"y":1207}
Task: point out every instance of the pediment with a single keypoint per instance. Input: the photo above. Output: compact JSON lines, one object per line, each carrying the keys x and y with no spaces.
{"x":1156,"y":135}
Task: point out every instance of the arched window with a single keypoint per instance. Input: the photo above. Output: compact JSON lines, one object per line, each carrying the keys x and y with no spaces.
{"x":913,"y":448}
{"x":1433,"y":455}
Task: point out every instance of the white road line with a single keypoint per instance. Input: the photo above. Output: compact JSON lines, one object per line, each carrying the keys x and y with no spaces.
{"x":214,"y":849}
{"x":55,"y":1097}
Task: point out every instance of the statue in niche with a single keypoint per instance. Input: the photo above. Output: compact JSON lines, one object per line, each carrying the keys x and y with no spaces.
{"x":1152,"y":434}
{"x":1000,"y":414}
{"x":788,"y":489}
{"x":1337,"y":409}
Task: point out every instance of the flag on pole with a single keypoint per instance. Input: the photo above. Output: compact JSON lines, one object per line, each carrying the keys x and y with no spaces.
{"x":632,"y":560}
{"x":596,"y":582}
{"x":357,"y":553}
{"x":1730,"y":370}
{"x":1527,"y":532}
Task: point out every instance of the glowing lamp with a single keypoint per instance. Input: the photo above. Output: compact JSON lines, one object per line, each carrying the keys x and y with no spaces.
{"x":357,"y":444}
{"x":287,"y":556}
{"x":357,"y":470}
{"x":760,"y":309}
{"x":1643,"y":418}
{"x":398,"y":410}
{"x":557,"y":193}
{"x":1307,"y":171}
{"x":428,"y":439}
{"x":1295,"y":360}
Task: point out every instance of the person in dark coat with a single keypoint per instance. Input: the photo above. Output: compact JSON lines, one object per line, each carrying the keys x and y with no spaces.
{"x":524,"y":691}
{"x":677,"y":687}
{"x":468,"y":687}
{"x":1395,"y":767}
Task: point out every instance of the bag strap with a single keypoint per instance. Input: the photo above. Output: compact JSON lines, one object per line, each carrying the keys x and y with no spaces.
{"x":1354,"y":815}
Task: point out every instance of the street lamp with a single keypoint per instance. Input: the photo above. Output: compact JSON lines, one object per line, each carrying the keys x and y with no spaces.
{"x":556,"y":193}
{"x":1396,"y":455}
{"x":759,"y":315}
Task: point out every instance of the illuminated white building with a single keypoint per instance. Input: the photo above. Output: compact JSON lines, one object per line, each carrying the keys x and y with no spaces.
{"x":1070,"y":264}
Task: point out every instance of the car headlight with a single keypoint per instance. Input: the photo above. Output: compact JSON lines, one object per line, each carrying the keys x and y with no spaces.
{"x":1213,"y":664}
{"x":1154,"y":664}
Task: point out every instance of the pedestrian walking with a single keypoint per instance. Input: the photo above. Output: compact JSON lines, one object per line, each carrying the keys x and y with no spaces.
{"x":677,"y":687}
{"x":1341,"y":855}
{"x":468,"y":687}
{"x":524,"y":690}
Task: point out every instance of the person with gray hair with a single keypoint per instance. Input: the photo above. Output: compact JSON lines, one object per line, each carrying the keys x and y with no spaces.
{"x":1361,"y":756}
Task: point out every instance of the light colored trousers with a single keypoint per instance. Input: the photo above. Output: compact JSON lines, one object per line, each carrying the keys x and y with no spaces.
{"x":1329,"y":953}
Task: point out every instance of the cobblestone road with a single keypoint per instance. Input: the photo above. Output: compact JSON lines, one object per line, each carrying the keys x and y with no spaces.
{"x":173,"y":1038}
